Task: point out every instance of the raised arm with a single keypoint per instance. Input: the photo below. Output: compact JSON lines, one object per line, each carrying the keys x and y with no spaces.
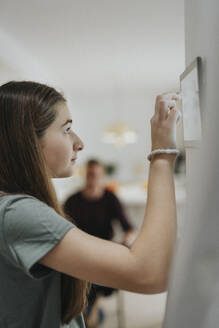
{"x":143,"y":268}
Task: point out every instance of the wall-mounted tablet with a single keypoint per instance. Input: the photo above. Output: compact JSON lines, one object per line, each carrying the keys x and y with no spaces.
{"x":189,"y":82}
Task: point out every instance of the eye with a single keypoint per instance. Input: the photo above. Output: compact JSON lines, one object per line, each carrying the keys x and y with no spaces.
{"x":67,"y":130}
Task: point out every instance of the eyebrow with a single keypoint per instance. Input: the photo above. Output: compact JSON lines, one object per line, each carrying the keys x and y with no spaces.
{"x":66,"y":122}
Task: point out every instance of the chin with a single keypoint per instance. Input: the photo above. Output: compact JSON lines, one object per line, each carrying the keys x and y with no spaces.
{"x":66,"y":174}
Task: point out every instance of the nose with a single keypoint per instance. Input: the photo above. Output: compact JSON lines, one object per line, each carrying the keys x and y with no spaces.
{"x":78,"y":144}
{"x":79,"y":147}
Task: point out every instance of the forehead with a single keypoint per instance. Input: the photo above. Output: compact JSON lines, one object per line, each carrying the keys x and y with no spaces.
{"x":63,"y":112}
{"x":96,"y":168}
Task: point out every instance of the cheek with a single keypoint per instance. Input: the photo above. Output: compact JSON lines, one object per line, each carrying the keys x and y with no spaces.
{"x":58,"y":151}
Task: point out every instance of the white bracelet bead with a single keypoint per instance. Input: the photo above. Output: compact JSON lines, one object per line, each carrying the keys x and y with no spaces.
{"x":162,"y":151}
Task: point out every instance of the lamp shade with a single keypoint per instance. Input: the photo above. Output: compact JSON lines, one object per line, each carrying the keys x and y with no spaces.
{"x":119,"y":134}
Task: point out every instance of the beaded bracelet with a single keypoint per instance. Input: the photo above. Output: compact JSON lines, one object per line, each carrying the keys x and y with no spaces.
{"x":162,"y":151}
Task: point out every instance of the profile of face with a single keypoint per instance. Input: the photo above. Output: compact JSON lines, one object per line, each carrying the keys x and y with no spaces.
{"x":60,"y":144}
{"x":95,"y":176}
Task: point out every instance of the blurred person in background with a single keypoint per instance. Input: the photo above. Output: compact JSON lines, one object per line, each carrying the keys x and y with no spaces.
{"x":94,"y":209}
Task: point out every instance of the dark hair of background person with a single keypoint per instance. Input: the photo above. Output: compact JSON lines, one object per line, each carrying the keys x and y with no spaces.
{"x":26,"y":111}
{"x":93,"y":162}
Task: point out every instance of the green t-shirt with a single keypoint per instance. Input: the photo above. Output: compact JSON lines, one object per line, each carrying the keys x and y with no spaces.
{"x":30,"y":293}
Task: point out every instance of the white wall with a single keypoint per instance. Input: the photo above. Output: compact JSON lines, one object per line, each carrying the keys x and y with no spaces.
{"x":7,"y":73}
{"x":193,"y":298}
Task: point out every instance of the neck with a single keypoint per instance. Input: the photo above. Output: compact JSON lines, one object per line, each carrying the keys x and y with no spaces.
{"x":93,"y":191}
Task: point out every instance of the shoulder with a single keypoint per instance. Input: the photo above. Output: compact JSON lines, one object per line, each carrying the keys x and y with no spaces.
{"x":15,"y":205}
{"x":27,"y":213}
{"x":14,"y":201}
{"x":29,"y":228}
{"x":111,"y":196}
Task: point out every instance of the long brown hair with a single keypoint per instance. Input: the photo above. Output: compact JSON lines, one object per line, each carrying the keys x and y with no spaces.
{"x":26,"y":111}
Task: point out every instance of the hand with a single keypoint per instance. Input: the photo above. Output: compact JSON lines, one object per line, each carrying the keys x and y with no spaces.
{"x":163,"y":123}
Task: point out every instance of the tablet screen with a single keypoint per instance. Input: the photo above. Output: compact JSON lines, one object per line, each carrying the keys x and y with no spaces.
{"x":189,"y":81}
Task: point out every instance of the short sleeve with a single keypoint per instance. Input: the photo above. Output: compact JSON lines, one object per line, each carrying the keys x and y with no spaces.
{"x":31,"y":229}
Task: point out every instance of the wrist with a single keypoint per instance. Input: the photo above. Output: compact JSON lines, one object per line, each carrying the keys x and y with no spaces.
{"x":166,"y":152}
{"x":167,"y":158}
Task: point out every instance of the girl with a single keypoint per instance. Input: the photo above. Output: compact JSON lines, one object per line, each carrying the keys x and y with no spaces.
{"x":46,"y":262}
